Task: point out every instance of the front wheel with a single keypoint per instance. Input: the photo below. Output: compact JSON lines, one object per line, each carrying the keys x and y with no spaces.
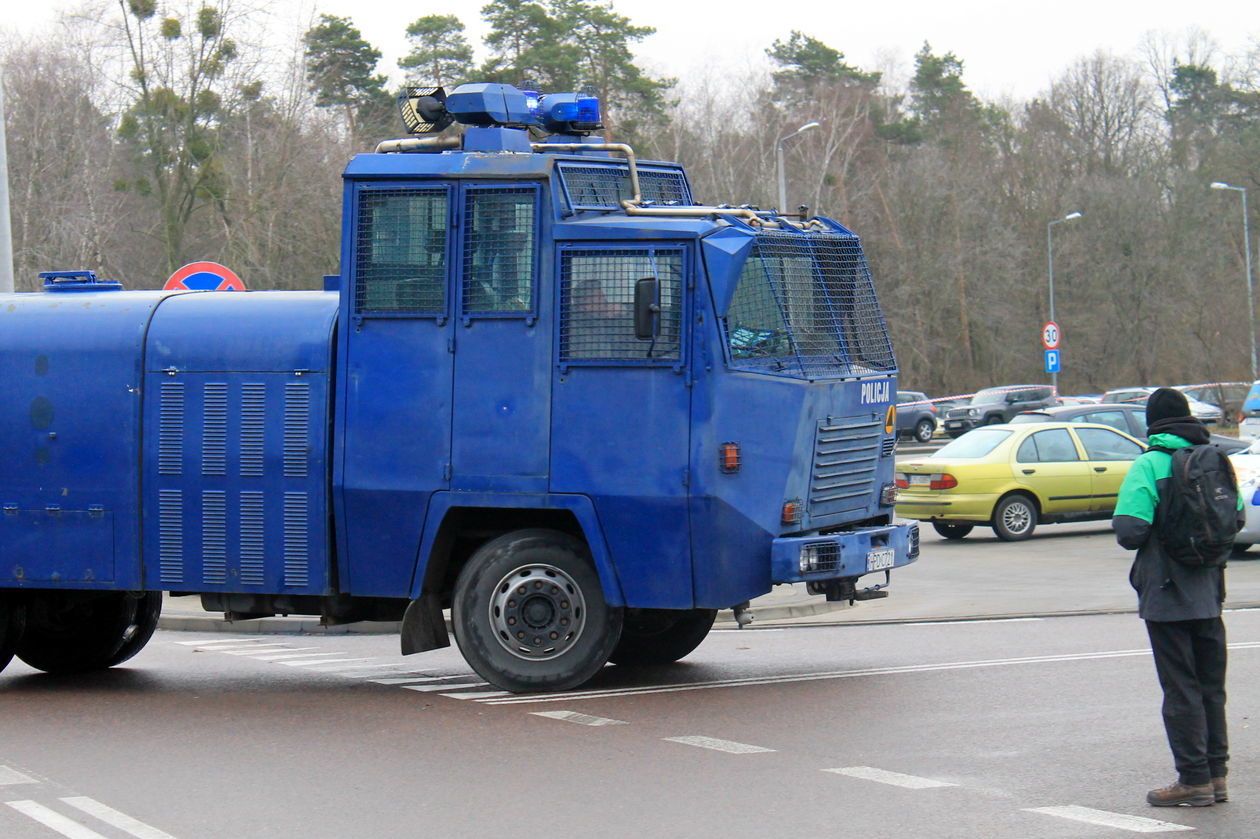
{"x":67,"y":632}
{"x":1015,"y":518}
{"x":923,"y":430}
{"x":952,"y":531}
{"x":529,"y":613}
{"x":661,"y":636}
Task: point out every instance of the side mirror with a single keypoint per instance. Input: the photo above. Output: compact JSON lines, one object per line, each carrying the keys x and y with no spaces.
{"x":647,"y":308}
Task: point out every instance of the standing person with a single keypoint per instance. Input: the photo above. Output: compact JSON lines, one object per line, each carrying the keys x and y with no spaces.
{"x":1181,"y":605}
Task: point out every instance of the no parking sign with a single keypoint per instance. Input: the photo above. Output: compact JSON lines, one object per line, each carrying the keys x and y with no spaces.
{"x":204,"y":276}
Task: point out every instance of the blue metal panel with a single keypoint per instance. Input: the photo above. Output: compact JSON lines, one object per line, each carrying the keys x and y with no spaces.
{"x":237,"y":413}
{"x":621,"y":434}
{"x":70,"y":384}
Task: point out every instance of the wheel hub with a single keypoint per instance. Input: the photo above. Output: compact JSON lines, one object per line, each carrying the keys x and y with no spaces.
{"x":537,"y":612}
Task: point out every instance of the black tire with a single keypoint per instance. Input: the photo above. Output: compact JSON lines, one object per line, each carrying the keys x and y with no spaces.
{"x":67,"y":632}
{"x":952,"y":531}
{"x":1015,"y":518}
{"x":994,"y":419}
{"x":923,"y":430}
{"x":554,"y":634}
{"x":661,"y":636}
{"x":12,"y":622}
{"x":1240,"y":548}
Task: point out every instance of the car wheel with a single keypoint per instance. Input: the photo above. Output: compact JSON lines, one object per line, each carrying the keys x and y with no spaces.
{"x":1015,"y":518}
{"x":952,"y":531}
{"x":661,"y":636}
{"x":993,"y":419}
{"x":923,"y":430}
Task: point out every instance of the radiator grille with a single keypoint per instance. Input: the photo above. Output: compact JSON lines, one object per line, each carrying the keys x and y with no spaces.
{"x":253,"y":550}
{"x":913,"y":550}
{"x":845,"y":458}
{"x":214,"y":430}
{"x":297,"y":428}
{"x":171,"y":429}
{"x":253,"y":426}
{"x":171,"y":536}
{"x":296,"y":550}
{"x":214,"y":536}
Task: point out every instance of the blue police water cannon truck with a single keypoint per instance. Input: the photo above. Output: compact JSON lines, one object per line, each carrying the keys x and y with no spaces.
{"x":547,"y":391}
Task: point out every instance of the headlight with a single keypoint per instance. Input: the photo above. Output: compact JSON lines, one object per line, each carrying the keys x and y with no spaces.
{"x":974,"y":412}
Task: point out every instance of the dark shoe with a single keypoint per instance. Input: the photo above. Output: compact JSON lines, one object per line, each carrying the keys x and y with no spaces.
{"x":1220,"y":790}
{"x":1197,"y":795}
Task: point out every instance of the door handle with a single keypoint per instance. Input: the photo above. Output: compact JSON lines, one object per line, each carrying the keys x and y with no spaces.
{"x":1028,"y":471}
{"x":1100,"y":468}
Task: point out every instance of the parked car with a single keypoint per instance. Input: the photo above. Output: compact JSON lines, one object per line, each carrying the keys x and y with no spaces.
{"x":996,"y":404}
{"x":1202,"y":411}
{"x":916,"y":415}
{"x":1127,"y":417}
{"x":1081,"y":399}
{"x":1012,"y":477}
{"x":1228,"y":396}
{"x":1247,"y":469}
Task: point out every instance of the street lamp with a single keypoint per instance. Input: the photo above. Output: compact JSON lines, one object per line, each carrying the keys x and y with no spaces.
{"x":1251,"y":308}
{"x":1054,"y":376}
{"x":778,"y":154}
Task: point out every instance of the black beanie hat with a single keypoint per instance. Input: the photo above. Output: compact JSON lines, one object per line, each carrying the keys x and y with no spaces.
{"x":1166,"y":403}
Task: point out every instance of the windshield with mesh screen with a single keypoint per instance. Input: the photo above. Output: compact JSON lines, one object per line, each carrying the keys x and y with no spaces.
{"x":806,"y":306}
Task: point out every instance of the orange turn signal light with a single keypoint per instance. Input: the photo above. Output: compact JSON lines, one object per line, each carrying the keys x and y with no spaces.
{"x":791,"y":512}
{"x":729,"y":458}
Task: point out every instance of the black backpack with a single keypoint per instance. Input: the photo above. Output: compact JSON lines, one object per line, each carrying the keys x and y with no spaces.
{"x":1197,"y":518}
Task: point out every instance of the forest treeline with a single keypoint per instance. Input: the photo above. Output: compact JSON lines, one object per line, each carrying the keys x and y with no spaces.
{"x":153,"y":134}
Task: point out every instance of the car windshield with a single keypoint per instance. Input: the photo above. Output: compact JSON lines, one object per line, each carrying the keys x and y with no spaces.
{"x":975,"y":443}
{"x":1030,"y":416}
{"x":988,"y":396}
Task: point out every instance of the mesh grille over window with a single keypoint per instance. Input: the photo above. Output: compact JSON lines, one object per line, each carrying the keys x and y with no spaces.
{"x":604,"y":187}
{"x":400,"y":251}
{"x":597,"y":304}
{"x":806,"y":306}
{"x":499,"y":249}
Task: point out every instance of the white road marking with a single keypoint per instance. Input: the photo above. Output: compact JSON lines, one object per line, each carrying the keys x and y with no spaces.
{"x":896,"y":779}
{"x":64,"y":825}
{"x":326,"y":660}
{"x":406,"y":680}
{"x":235,"y":640}
{"x":114,"y":818}
{"x":11,"y":777}
{"x":580,"y":719}
{"x":220,"y":648}
{"x":448,"y":686}
{"x":262,"y":649}
{"x":475,"y":694}
{"x":728,"y":746}
{"x":571,"y":696}
{"x":1136,"y":824}
{"x":747,"y":631}
{"x":274,"y":656}
{"x":973,"y":622}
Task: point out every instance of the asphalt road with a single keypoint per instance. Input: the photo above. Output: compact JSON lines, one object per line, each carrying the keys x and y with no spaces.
{"x":1024,"y":727}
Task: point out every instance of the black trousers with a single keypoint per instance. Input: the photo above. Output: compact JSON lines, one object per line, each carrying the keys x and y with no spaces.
{"x":1190,"y":660}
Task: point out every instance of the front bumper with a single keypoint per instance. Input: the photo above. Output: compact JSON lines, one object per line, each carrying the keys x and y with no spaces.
{"x":958,"y":426}
{"x":850,"y":554}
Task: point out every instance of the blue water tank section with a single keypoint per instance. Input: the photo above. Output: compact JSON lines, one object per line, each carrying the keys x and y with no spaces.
{"x":70,"y":405}
{"x":236,"y":448}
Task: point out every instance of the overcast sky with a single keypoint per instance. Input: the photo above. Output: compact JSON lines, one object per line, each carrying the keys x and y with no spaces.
{"x":1009,"y":48}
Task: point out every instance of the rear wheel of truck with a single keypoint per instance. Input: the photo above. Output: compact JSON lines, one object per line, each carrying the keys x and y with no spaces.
{"x":69,"y":633}
{"x":661,"y":636}
{"x":12,"y":620}
{"x":529,"y":613}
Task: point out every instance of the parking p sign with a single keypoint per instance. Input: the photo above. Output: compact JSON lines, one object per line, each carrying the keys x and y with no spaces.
{"x":1052,"y":361}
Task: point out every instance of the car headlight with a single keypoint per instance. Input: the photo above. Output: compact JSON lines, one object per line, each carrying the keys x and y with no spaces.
{"x":973,"y":412}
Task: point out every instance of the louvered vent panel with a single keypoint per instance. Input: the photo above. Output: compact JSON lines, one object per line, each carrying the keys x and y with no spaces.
{"x":297,"y":428}
{"x":253,"y":425}
{"x":171,"y":429}
{"x":214,"y":431}
{"x":845,"y":456}
{"x":214,"y":536}
{"x":253,"y":549}
{"x":171,"y":535}
{"x":296,"y":548}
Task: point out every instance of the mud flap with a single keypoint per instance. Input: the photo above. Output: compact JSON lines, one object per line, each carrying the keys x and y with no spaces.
{"x":423,"y":626}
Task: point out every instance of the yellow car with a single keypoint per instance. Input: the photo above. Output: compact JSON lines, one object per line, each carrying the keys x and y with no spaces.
{"x":1014,"y":477}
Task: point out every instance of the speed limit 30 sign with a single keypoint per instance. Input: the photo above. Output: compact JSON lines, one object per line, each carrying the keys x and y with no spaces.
{"x":1050,"y":336}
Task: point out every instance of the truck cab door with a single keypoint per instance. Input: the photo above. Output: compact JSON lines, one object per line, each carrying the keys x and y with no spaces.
{"x":394,"y":411}
{"x":620,"y":430}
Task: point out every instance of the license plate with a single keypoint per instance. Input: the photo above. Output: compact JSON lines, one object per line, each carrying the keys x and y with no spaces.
{"x":879,"y":559}
{"x":953,"y":423}
{"x":920,"y":480}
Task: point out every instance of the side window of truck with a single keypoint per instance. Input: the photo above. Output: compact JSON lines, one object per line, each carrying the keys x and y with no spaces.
{"x":597,"y":304}
{"x":401,"y":252}
{"x":499,"y":250}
